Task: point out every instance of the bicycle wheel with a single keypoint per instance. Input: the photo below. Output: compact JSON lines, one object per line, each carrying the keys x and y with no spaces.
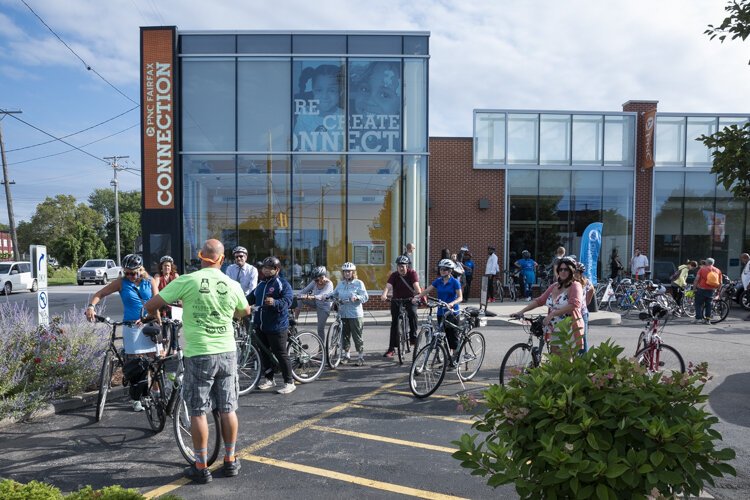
{"x":306,"y":355}
{"x":183,"y":432}
{"x":471,"y":356}
{"x":499,"y":291}
{"x":720,"y":311}
{"x":512,"y":295}
{"x":105,"y":380}
{"x":428,"y":370}
{"x":153,"y":404}
{"x":688,"y":304}
{"x":248,"y":367}
{"x":745,"y":299}
{"x":403,"y":338}
{"x":662,"y":359}
{"x":516,"y":361}
{"x":424,"y":337}
{"x":333,"y":345}
{"x":641,"y":342}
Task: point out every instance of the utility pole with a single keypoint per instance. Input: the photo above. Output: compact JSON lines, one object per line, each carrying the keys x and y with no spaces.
{"x":7,"y":182}
{"x":114,"y":183}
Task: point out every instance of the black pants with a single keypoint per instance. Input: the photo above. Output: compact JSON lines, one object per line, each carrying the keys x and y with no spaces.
{"x":467,"y":288}
{"x":490,"y":286}
{"x":677,"y":294}
{"x":451,"y":332}
{"x":411,"y":313}
{"x":276,"y":343}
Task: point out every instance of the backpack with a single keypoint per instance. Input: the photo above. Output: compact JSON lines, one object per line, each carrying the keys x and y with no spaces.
{"x":712,"y":279}
{"x":675,"y":275}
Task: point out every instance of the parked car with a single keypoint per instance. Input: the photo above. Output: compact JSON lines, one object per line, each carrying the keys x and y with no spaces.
{"x":16,"y":276}
{"x":52,"y":262}
{"x":99,"y":271}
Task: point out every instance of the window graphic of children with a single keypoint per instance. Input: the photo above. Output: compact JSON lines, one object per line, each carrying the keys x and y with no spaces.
{"x":318,"y":109}
{"x":375,"y":106}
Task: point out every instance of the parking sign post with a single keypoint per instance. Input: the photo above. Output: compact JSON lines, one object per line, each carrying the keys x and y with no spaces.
{"x":39,"y":261}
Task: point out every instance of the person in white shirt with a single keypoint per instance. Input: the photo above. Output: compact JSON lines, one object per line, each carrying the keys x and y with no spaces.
{"x":242,"y":272}
{"x":490,"y":270}
{"x":745,"y":278}
{"x":638,"y":265}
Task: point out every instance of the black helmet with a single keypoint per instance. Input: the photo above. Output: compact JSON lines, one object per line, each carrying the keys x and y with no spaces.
{"x":239,"y":249}
{"x":271,"y":261}
{"x":166,"y":258}
{"x":132,"y":261}
{"x":318,"y":272}
{"x":402,"y":259}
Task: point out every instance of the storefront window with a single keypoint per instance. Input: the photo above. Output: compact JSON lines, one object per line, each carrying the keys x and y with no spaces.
{"x":208,"y":105}
{"x":523,"y":197}
{"x":375,"y":91}
{"x":414,"y":183}
{"x":374,"y":216}
{"x":617,"y":218}
{"x":415,"y":105}
{"x":264,"y":107}
{"x":318,"y":105}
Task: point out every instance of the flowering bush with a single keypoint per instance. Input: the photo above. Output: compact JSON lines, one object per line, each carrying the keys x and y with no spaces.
{"x":597,"y":426}
{"x":38,"y":365}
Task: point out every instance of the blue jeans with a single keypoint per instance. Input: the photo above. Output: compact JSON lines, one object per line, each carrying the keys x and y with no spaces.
{"x":703,"y":301}
{"x":529,"y":278}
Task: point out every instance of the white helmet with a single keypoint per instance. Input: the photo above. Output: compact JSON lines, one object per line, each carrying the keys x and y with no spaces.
{"x":348,"y":266}
{"x":447,"y":263}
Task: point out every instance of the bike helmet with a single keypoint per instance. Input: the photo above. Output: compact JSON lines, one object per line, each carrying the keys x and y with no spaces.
{"x":348,"y":266}
{"x":239,"y":250}
{"x":402,"y":259}
{"x":166,"y":258}
{"x":271,"y":261}
{"x":447,"y":263}
{"x":525,"y":254}
{"x":318,"y":272}
{"x":580,"y":267}
{"x":132,"y":261}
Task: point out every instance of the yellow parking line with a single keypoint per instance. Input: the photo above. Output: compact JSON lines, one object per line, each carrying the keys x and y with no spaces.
{"x":434,"y":396}
{"x":413,"y":414}
{"x":348,"y":478}
{"x":383,"y":439}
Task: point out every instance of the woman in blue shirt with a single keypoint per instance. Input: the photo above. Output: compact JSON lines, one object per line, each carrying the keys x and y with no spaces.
{"x":528,"y":266}
{"x":448,"y":290}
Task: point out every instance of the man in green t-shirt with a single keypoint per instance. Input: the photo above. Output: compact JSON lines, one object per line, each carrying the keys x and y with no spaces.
{"x":210,"y":300}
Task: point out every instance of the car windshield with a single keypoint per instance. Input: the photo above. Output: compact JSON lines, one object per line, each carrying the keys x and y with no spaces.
{"x":4,"y":268}
{"x":95,"y":263}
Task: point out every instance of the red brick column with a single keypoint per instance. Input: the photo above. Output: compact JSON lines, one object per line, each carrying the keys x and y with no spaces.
{"x":644,"y":181}
{"x":455,"y":218}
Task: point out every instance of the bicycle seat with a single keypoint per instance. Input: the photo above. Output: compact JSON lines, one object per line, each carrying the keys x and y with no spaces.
{"x":152,"y":331}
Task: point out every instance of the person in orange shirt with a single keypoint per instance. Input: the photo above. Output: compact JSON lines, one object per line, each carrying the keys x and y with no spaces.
{"x":707,"y":281}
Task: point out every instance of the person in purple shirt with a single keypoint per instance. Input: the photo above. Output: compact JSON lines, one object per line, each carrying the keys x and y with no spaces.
{"x":402,"y":286}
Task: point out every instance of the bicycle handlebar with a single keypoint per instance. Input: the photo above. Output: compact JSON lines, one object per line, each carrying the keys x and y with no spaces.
{"x":102,"y":319}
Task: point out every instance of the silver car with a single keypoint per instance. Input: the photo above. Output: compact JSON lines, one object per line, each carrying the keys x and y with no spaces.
{"x":99,"y":271}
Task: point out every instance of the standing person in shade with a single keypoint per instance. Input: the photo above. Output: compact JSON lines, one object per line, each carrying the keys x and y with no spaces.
{"x":680,"y":283}
{"x":745,"y":278}
{"x":468,"y":263}
{"x":559,"y":254}
{"x":615,"y":265}
{"x":638,"y":265}
{"x":707,"y":281}
{"x":402,"y":286}
{"x":352,"y":294}
{"x":458,"y":272}
{"x":528,"y":266}
{"x":166,"y":275}
{"x":210,"y":353}
{"x":242,"y":272}
{"x":490,"y":270}
{"x":449,"y":291}
{"x":410,"y":249}
{"x":314,"y":295}
{"x":272,"y":299}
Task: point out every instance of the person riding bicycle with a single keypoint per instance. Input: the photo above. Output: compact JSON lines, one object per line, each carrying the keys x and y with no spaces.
{"x":242,"y":272}
{"x":135,"y":288}
{"x":314,"y":294}
{"x":402,"y":285}
{"x":351,"y":292}
{"x":527,"y":267}
{"x":167,"y":273}
{"x":449,"y":291}
{"x":273,"y":297}
{"x":211,"y":301}
{"x":563,"y":299}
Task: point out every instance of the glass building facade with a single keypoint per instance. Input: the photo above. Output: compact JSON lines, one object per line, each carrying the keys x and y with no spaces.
{"x":564,"y":171}
{"x":308,"y":146}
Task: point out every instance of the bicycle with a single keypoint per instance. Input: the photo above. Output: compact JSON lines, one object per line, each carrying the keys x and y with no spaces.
{"x":525,"y":355}
{"x":404,"y":346}
{"x":112,"y":361}
{"x":431,"y":362}
{"x":248,"y":359}
{"x":651,"y":353}
{"x":335,"y":338}
{"x":510,"y":283}
{"x":427,"y":328}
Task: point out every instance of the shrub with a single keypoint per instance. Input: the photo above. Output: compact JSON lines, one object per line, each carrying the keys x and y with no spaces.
{"x":61,"y":276}
{"x":597,"y":426}
{"x":12,"y":490}
{"x":108,"y":493}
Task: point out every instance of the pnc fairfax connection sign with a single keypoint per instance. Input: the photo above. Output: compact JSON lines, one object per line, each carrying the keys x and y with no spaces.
{"x":157,"y":117}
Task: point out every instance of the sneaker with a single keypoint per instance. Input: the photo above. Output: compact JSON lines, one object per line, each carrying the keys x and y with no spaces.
{"x":137,"y":406}
{"x":361,"y":360}
{"x":266,"y":384}
{"x":201,"y":476}
{"x":346,"y":359}
{"x":389,"y":353}
{"x":528,"y":299}
{"x":707,"y":321}
{"x":288,"y":388}
{"x":231,"y":469}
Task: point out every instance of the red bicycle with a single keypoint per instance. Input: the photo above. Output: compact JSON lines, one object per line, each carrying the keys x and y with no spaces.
{"x":651,"y":353}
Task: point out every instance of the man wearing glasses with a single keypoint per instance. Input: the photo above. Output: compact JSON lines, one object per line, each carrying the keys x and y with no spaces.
{"x":242,"y":272}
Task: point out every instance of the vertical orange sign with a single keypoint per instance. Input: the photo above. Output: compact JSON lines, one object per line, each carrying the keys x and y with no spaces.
{"x":649,"y":118}
{"x":157,"y":117}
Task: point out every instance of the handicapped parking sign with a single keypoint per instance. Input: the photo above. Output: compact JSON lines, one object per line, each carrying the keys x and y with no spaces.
{"x":42,"y":301}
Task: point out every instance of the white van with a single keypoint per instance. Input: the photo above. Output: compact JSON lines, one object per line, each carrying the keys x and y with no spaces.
{"x":16,"y":276}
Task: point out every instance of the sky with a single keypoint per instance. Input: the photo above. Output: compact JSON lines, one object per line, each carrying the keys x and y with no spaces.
{"x":587,"y":55}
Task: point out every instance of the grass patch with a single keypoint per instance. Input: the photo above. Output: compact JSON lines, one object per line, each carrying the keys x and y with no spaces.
{"x":61,"y":276}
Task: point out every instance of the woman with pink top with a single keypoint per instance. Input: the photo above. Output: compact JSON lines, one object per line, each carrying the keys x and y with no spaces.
{"x":563,"y":299}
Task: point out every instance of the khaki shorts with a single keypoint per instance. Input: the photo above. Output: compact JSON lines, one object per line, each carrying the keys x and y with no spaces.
{"x":211,"y":382}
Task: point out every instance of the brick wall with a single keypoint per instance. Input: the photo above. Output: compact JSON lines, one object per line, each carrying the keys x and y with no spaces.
{"x":644,"y":180}
{"x":455,"y":218}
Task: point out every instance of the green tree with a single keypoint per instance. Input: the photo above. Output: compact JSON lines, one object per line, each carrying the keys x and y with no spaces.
{"x":4,"y":227}
{"x":731,"y":146}
{"x":102,"y":201}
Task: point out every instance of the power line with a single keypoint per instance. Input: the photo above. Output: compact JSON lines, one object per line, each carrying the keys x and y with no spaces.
{"x":88,"y":67}
{"x":75,"y":133}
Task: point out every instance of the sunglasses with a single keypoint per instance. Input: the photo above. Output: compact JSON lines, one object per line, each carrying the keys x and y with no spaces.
{"x":563,"y":269}
{"x":445,"y":268}
{"x":130,"y":273}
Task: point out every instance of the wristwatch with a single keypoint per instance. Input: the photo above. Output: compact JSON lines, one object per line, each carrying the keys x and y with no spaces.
{"x":91,"y":306}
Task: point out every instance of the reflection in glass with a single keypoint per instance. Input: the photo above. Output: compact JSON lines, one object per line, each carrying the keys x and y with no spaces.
{"x":618,"y":139}
{"x":263,"y":104}
{"x":523,"y":190}
{"x":696,"y":152}
{"x":374,"y":105}
{"x":489,"y":146}
{"x":374,"y":219}
{"x":415,"y":105}
{"x":587,"y":139}
{"x":554,"y":141}
{"x":617,"y":218}
{"x":208,"y":105}
{"x":414,"y":183}
{"x":523,"y":137}
{"x":669,"y":144}
{"x":318,"y":108}
{"x":587,"y":205}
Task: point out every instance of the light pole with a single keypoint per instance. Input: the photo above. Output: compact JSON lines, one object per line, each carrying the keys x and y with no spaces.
{"x":114,"y":183}
{"x":7,"y":182}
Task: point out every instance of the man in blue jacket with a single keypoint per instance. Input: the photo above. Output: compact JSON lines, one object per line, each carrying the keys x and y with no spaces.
{"x":272,"y":299}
